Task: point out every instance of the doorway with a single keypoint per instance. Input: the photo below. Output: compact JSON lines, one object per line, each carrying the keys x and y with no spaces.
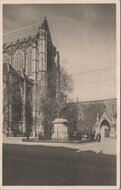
{"x":105,"y":129}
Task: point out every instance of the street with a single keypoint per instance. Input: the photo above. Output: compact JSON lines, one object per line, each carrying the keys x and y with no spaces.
{"x":44,"y":165}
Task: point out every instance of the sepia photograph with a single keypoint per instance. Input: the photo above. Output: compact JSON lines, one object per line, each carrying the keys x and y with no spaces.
{"x":60,"y":100}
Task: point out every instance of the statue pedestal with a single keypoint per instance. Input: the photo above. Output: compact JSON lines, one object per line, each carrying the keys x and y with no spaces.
{"x":60,"y":129}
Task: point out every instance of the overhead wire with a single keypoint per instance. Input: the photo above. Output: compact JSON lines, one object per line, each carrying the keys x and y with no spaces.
{"x":95,"y":70}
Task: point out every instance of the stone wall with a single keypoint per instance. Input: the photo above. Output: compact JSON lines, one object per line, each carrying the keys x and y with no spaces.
{"x":17,"y":103}
{"x":82,"y":116}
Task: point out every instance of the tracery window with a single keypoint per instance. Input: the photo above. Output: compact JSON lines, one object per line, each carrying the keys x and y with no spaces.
{"x":18,"y":60}
{"x":29,"y":61}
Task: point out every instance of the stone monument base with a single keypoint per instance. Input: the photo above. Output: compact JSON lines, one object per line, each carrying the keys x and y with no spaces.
{"x":60,"y":129}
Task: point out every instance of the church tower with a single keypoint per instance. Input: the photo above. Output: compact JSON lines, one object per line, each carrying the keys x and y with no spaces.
{"x":32,"y":56}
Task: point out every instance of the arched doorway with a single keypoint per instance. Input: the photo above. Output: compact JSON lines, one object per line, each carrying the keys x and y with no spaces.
{"x":105,"y":129}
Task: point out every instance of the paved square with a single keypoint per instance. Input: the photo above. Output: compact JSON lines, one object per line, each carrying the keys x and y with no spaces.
{"x":59,"y":164}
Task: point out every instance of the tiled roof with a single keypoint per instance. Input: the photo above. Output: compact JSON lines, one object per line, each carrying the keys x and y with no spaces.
{"x":8,"y":68}
{"x":100,"y":106}
{"x":21,"y":33}
{"x":88,"y":110}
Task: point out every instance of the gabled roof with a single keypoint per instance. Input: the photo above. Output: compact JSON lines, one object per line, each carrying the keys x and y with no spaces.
{"x":88,"y":111}
{"x":19,"y":73}
{"x":105,"y":116}
{"x":24,"y":32}
{"x":8,"y":68}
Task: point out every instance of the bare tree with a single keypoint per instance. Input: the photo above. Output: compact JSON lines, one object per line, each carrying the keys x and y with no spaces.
{"x":53,"y":106}
{"x":65,"y":87}
{"x":66,"y":82}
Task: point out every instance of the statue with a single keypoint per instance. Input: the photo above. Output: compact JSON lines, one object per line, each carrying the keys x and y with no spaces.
{"x":61,"y":105}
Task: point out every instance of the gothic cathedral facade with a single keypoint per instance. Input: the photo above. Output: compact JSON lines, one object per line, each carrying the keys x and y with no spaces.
{"x":31,"y":70}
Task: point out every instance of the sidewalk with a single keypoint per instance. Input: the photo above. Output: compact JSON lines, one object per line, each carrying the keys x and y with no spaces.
{"x":106,"y":146}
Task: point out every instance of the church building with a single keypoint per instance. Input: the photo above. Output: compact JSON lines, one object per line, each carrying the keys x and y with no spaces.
{"x":86,"y":117}
{"x":30,"y":71}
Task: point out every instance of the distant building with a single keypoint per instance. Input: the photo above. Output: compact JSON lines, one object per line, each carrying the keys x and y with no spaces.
{"x":88,"y":116}
{"x":30,"y":71}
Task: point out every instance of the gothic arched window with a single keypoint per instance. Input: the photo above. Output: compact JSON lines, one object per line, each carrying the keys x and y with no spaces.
{"x":18,"y":60}
{"x":6,"y":58}
{"x":29,"y":61}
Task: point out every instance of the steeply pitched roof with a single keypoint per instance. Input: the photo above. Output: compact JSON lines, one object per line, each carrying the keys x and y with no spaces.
{"x":24,"y":32}
{"x":8,"y":68}
{"x":101,"y":106}
{"x":88,"y":110}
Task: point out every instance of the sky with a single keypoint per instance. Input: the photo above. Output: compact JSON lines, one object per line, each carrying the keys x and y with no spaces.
{"x":85,"y":36}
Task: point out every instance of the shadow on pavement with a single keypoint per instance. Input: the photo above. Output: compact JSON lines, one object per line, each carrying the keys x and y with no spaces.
{"x":42,"y":165}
